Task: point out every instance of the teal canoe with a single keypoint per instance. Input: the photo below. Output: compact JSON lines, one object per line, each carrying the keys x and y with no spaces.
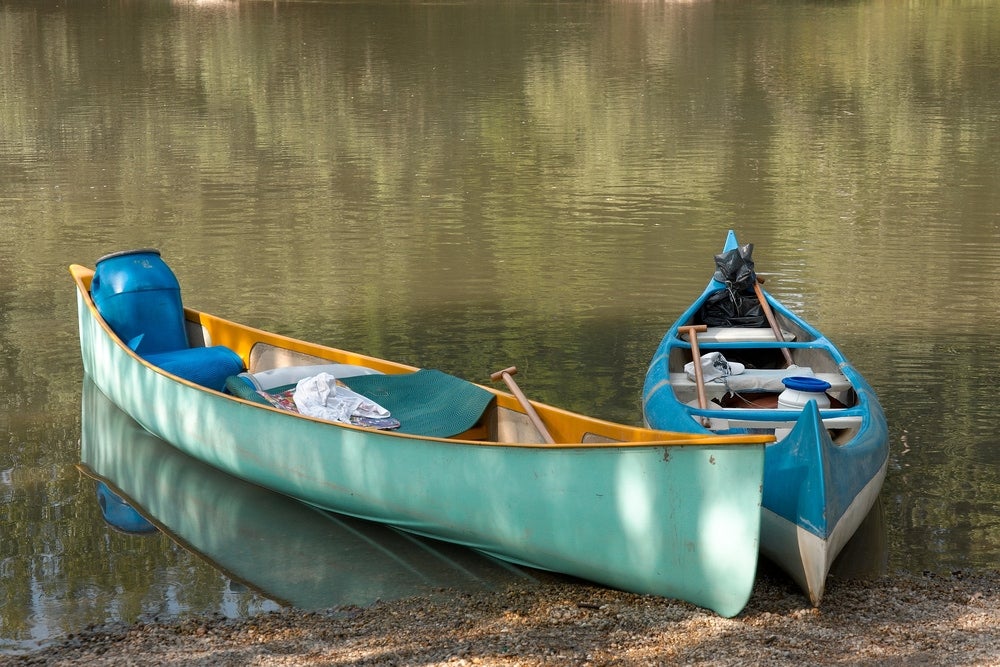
{"x":653,"y":512}
{"x":825,"y":471}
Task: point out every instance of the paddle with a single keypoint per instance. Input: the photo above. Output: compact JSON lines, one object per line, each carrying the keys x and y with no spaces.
{"x":699,"y":379}
{"x":769,"y":314}
{"x":505,"y":375}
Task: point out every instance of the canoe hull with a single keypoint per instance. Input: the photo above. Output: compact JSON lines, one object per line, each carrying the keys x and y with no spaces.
{"x":807,"y":557}
{"x":816,"y":491}
{"x":816,"y":494}
{"x":677,"y":521}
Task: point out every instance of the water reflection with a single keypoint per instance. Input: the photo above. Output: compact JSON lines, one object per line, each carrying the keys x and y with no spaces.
{"x":866,"y":554}
{"x":285,"y":550}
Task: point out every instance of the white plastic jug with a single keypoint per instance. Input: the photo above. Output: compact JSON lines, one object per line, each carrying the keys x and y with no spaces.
{"x":799,"y":390}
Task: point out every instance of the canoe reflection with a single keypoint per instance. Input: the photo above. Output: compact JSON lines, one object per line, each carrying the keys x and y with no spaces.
{"x":286,"y":550}
{"x":866,"y":554}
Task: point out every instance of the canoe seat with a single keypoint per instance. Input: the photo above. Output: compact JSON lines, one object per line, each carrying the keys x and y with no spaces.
{"x":753,"y":380}
{"x":739,"y":335}
{"x":721,"y":421}
{"x":428,"y":402}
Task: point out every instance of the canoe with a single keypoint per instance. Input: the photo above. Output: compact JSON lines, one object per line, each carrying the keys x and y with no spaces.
{"x":289,"y":552}
{"x":826,"y":468}
{"x":647,"y":511}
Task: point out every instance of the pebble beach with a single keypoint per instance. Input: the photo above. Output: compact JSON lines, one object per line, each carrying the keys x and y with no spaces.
{"x":902,"y":619}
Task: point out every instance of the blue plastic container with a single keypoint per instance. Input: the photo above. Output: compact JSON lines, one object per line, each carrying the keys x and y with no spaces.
{"x":139,"y":297}
{"x":805,"y":383}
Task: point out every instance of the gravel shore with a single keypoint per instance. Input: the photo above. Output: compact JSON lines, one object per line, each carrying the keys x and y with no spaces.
{"x":901,"y":619}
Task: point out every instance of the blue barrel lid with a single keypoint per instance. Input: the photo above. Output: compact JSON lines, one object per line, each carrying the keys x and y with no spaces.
{"x":122,"y":253}
{"x":802,"y":383}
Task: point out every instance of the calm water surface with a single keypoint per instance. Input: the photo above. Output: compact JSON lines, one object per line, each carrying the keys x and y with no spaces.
{"x":469,"y":186}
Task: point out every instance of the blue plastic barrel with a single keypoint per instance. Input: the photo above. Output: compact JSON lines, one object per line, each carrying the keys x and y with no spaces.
{"x":139,"y":297}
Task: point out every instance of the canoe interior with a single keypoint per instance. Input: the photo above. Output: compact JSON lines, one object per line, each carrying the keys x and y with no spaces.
{"x":757,"y":353}
{"x":505,"y":422}
{"x":502,"y":422}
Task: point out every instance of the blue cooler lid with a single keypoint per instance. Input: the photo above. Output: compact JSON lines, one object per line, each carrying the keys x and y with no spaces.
{"x":801,"y":383}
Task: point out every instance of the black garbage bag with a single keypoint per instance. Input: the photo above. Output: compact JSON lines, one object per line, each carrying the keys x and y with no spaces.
{"x":735,"y":268}
{"x":732,"y":308}
{"x":735,"y":305}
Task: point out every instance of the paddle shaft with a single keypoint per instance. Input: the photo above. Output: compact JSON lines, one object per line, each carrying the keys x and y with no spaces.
{"x":769,"y":314}
{"x":699,"y":379}
{"x":529,"y":409}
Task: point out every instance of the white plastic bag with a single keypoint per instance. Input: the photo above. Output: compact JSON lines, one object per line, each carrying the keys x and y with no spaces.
{"x":320,"y":396}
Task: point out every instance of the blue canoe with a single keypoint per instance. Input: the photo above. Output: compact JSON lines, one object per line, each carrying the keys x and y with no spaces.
{"x":826,"y":469}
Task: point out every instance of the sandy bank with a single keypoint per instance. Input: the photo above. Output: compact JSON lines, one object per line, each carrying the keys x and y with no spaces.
{"x":898,"y":620}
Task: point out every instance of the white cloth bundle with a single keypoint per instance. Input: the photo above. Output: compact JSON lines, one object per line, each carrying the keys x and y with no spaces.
{"x":714,"y":366}
{"x":320,"y":396}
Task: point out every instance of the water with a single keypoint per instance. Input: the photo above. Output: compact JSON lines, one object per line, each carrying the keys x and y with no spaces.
{"x":469,"y":186}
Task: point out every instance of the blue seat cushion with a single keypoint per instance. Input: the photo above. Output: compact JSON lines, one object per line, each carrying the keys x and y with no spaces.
{"x":207,"y":366}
